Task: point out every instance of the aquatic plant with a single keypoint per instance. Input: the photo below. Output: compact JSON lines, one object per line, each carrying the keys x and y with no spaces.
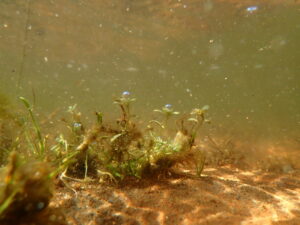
{"x":181,"y":148}
{"x":75,"y":125}
{"x":117,"y":151}
{"x":108,"y":152}
{"x":26,"y":188}
{"x":198,"y":118}
{"x":40,"y":148}
{"x":125,"y":101}
{"x":127,"y":151}
{"x":167,"y":111}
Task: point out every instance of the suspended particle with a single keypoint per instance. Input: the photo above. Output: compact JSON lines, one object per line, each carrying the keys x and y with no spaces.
{"x":252,"y":9}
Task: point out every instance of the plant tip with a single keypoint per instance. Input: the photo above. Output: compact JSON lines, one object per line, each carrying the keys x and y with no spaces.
{"x":125,"y":93}
{"x":77,"y":125}
{"x":205,"y":108}
{"x":168,"y":106}
{"x":252,"y":8}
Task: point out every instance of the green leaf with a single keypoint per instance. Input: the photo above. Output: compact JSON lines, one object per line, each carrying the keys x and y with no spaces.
{"x":25,"y":101}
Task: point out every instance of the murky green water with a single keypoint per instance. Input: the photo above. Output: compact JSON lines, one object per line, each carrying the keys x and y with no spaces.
{"x":241,"y":58}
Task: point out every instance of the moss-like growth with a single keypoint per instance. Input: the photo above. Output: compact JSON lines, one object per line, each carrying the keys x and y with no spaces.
{"x":125,"y":150}
{"x":26,"y":189}
{"x":107,"y":152}
{"x":114,"y":151}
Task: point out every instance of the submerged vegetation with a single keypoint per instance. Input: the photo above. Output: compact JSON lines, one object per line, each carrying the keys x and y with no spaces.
{"x":35,"y":160}
{"x":26,"y":188}
{"x":105,"y":152}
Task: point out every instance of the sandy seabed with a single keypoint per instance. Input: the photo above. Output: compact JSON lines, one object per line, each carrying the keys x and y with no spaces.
{"x":223,"y":195}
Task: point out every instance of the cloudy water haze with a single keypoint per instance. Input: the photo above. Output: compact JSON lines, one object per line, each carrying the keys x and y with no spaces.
{"x":239,"y":57}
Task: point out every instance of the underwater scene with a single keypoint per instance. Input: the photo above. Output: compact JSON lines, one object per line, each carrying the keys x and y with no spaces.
{"x":149,"y":112}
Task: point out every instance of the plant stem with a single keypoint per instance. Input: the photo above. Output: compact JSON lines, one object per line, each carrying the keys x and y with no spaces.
{"x":36,"y":126}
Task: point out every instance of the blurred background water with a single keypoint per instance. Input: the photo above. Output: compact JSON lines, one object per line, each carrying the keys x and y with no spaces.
{"x":242,"y":58}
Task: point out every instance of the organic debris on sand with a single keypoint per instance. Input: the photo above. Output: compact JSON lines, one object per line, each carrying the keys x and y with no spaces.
{"x":224,"y":195}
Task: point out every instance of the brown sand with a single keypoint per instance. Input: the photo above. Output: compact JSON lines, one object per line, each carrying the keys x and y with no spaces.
{"x":223,"y":195}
